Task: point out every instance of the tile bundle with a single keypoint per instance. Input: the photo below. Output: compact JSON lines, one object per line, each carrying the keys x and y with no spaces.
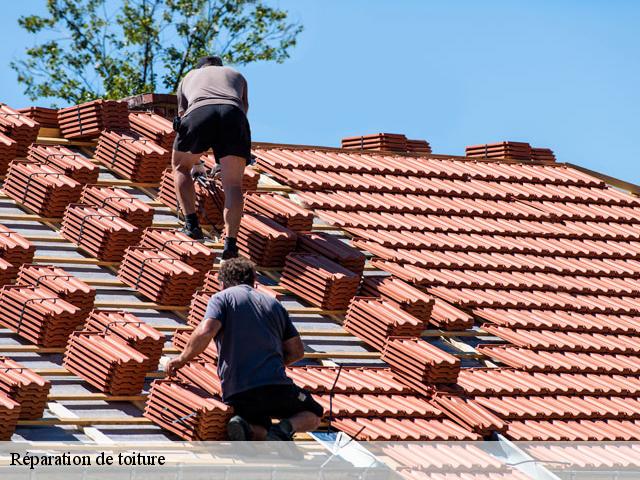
{"x":412,"y":300}
{"x":159,"y":276}
{"x":280,"y":209}
{"x":7,"y":273}
{"x":500,"y":150}
{"x":8,"y":152}
{"x":106,"y":362}
{"x":133,"y":331}
{"x":542,"y":154}
{"x":9,"y":415}
{"x":60,"y":283}
{"x":198,"y":306}
{"x":418,"y":146}
{"x":15,"y":249}
{"x":320,"y":281}
{"x":73,"y":165}
{"x":181,"y":246}
{"x":119,"y":202}
{"x":187,"y":411}
{"x":154,"y":127}
{"x":212,"y":284}
{"x":419,"y":363}
{"x":19,"y":127}
{"x":470,"y":414}
{"x":331,"y":247}
{"x":209,"y":206}
{"x":203,"y":375}
{"x":37,"y":315}
{"x":264,"y":241}
{"x":88,"y":120}
{"x":100,"y":233}
{"x":41,"y":188}
{"x":377,"y":141}
{"x":374,"y":320}
{"x":24,"y":386}
{"x":133,"y":157}
{"x":180,"y":340}
{"x":46,"y":117}
{"x":360,"y":380}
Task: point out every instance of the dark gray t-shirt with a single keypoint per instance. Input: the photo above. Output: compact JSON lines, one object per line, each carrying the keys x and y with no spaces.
{"x":254,"y":325}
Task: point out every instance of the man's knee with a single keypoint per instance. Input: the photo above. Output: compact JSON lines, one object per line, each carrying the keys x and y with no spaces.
{"x":314,"y":421}
{"x":183,"y":162}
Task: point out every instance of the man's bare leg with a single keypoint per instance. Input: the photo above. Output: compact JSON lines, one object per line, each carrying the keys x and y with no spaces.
{"x":232,"y":172}
{"x":182,"y":162}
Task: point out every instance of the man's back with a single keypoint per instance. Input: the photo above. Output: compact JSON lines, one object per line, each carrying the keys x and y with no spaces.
{"x":212,"y":85}
{"x":249,"y":344}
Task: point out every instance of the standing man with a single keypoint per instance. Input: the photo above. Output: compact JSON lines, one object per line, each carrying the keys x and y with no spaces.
{"x":212,"y":106}
{"x":255,"y":339}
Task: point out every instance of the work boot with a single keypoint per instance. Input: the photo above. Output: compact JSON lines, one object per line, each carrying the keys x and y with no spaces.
{"x":230,"y":249}
{"x":283,"y":432}
{"x":192,"y":232}
{"x":238,"y":429}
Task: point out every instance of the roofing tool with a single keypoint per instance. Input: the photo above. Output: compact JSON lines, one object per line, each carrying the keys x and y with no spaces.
{"x":210,"y":182}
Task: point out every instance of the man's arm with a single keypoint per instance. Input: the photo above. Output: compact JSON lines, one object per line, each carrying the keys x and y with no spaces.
{"x":293,"y":350}
{"x":198,"y":342}
{"x":245,"y":98}
{"x":182,"y":101}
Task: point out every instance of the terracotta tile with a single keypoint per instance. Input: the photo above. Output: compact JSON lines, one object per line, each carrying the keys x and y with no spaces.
{"x":120,"y":203}
{"x":67,"y":162}
{"x":90,"y":119}
{"x":154,"y":127}
{"x":19,"y":127}
{"x":25,"y":387}
{"x":264,"y":241}
{"x":281,"y":210}
{"x":333,"y":248}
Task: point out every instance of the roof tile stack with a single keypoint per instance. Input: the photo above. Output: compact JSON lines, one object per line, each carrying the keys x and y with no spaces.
{"x":132,"y":156}
{"x":106,"y":362}
{"x":159,"y":276}
{"x":374,"y":321}
{"x":320,"y":281}
{"x":542,"y":154}
{"x":418,"y":146}
{"x":72,"y":164}
{"x":60,"y":283}
{"x":500,"y":150}
{"x":212,"y":284}
{"x":331,"y":247}
{"x":198,"y":306}
{"x":46,"y":117}
{"x":154,"y":127}
{"x":37,"y":315}
{"x":419,"y":363}
{"x":15,"y":249}
{"x":135,"y":333}
{"x":378,"y":141}
{"x":24,"y":386}
{"x":99,"y":232}
{"x":360,"y":380}
{"x":19,"y":127}
{"x":470,"y":414}
{"x":203,"y":375}
{"x":209,"y":207}
{"x":264,"y":241}
{"x":7,"y":272}
{"x":120,"y":203}
{"x":9,"y":415}
{"x":280,"y":209}
{"x":187,"y":411}
{"x":8,"y":152}
{"x":88,"y":120}
{"x":180,"y":340}
{"x":41,"y":188}
{"x":179,"y":245}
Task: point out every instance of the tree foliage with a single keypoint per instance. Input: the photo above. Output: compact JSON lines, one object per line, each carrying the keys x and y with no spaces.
{"x":117,"y":48}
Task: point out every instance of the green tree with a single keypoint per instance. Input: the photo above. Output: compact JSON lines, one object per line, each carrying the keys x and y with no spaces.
{"x":117,"y":48}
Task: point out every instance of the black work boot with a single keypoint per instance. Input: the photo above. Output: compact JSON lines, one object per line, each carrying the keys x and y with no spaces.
{"x":192,"y":227}
{"x":230,"y":249}
{"x":238,"y":429}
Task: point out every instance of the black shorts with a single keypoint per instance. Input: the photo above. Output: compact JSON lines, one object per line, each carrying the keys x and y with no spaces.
{"x":259,"y":405}
{"x":223,"y":128}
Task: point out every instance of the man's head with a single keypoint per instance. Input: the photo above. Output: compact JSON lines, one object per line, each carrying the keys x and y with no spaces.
{"x":209,"y":62}
{"x":237,"y":271}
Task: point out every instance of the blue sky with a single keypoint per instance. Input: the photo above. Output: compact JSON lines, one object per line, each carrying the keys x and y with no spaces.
{"x":559,"y":74}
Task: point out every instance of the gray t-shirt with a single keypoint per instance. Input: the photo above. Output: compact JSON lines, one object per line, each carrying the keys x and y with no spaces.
{"x":254,"y":325}
{"x":210,"y":86}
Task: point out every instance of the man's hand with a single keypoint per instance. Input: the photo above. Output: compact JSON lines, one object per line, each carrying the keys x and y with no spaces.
{"x":174,"y":365}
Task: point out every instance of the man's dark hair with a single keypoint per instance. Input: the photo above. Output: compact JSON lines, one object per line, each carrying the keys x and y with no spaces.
{"x":209,"y":62}
{"x":237,"y":271}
